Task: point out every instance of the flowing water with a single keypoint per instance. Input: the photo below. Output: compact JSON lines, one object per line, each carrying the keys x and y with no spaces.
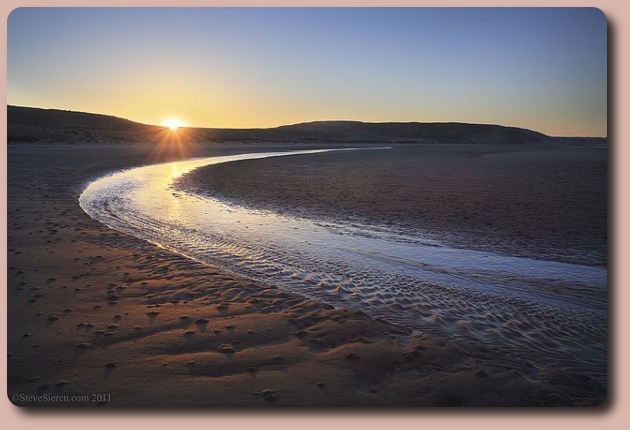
{"x":549,"y":313}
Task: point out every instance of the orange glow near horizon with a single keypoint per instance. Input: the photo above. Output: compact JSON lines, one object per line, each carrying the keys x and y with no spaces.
{"x":173,"y":123}
{"x":543,"y":69}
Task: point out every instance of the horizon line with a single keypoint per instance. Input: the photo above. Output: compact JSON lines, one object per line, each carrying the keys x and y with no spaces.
{"x":303,"y":122}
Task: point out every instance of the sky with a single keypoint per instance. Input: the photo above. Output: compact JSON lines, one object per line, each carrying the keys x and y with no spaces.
{"x":543,"y":69}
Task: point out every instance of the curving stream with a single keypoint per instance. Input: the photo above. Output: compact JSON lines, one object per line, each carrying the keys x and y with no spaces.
{"x":551,"y":314}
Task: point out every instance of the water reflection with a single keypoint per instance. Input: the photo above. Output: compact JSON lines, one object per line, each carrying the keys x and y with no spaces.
{"x":543,"y":310}
{"x":175,"y":173}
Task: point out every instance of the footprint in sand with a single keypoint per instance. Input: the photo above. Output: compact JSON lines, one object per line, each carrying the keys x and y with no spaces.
{"x":226,"y":349}
{"x":267,"y":394}
{"x":185,"y":321}
{"x":202,"y":324}
{"x":109,"y":369}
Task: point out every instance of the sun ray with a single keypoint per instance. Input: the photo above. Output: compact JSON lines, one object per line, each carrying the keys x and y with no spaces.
{"x":173,"y":144}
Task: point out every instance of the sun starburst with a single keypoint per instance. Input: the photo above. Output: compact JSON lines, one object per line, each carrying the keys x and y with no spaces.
{"x":173,"y":123}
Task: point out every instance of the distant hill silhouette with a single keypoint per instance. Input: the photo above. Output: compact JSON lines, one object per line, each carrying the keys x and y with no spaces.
{"x":25,"y":124}
{"x":451,"y":132}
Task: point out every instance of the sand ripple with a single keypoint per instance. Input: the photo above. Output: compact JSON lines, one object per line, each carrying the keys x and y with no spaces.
{"x":549,"y":313}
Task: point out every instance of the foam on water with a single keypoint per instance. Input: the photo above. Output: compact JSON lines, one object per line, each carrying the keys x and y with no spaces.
{"x":549,"y":313}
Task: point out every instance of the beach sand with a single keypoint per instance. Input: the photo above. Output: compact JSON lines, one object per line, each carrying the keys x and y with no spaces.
{"x":109,"y":320}
{"x":545,"y":202}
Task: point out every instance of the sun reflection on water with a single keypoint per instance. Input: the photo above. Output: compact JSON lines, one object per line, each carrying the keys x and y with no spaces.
{"x":403,"y":279}
{"x":176,"y":173}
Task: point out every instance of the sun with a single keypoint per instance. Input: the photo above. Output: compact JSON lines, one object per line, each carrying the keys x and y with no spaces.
{"x":173,"y":123}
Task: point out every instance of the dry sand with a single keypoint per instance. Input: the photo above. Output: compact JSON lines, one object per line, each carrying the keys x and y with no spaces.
{"x":93,"y":312}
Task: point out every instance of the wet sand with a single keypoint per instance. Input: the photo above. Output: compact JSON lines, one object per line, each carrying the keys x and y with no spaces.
{"x":524,"y":200}
{"x":93,"y":312}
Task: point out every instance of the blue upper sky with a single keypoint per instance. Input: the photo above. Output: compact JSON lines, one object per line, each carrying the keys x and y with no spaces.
{"x":538,"y":68}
